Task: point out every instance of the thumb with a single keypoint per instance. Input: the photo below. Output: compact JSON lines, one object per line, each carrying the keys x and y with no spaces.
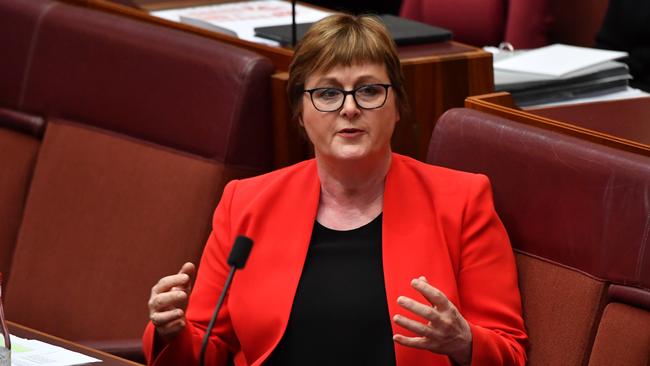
{"x":190,"y":270}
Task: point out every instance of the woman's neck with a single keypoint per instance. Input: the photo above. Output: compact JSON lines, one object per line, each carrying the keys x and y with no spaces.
{"x":352,"y":191}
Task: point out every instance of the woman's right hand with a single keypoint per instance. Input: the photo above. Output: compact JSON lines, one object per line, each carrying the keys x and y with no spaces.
{"x":168,"y":302}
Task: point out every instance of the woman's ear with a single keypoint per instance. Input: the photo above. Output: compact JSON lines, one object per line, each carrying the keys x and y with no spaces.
{"x":300,"y":122}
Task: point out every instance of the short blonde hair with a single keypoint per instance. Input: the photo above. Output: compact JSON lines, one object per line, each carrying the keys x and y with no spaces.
{"x":345,"y":40}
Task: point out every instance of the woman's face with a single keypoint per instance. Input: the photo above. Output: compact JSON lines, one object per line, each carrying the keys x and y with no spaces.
{"x":350,"y":132}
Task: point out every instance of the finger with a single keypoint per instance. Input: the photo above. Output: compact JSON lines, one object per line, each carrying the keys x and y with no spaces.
{"x":168,"y":300}
{"x":190,"y":270}
{"x":167,"y":283}
{"x":162,"y":318}
{"x":416,"y":342}
{"x":417,"y":308}
{"x":414,"y":326}
{"x":432,"y":294}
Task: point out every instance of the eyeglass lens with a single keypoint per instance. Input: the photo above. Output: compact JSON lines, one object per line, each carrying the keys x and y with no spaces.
{"x":367,"y":97}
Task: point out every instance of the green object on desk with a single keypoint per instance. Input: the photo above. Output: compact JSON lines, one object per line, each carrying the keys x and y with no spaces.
{"x":15,"y":348}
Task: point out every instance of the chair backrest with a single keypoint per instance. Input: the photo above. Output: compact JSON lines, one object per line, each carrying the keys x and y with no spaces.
{"x":623,"y":337}
{"x":475,"y":22}
{"x":577,"y":214}
{"x":145,"y":125}
{"x":524,"y":23}
{"x":17,"y":158}
{"x":536,"y":23}
{"x":19,"y":138}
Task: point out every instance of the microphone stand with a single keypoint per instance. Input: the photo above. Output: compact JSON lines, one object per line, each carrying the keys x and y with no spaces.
{"x":294,"y":35}
{"x":237,"y":259}
{"x":214,"y":316}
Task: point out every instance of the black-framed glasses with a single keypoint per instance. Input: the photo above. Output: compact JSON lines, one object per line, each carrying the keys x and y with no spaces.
{"x":369,"y":96}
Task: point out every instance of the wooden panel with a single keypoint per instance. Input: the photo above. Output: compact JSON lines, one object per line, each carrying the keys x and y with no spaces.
{"x":627,"y":118}
{"x":290,"y":141}
{"x":501,"y":104}
{"x":435,"y":84}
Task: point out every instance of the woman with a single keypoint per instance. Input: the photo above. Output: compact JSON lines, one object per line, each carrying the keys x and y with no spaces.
{"x":361,"y":256}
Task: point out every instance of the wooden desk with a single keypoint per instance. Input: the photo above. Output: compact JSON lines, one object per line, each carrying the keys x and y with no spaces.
{"x":438,"y":76}
{"x":623,"y":124}
{"x":107,"y":359}
{"x":626,"y":118}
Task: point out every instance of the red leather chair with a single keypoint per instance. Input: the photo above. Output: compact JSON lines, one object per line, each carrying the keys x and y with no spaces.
{"x":475,"y":22}
{"x":577,"y":213}
{"x":523,"y":23}
{"x":144,"y":127}
{"x":19,"y":132}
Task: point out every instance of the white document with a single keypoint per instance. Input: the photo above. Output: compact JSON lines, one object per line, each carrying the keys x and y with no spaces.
{"x":30,"y":352}
{"x":629,"y":93}
{"x":243,"y":17}
{"x":556,"y":60}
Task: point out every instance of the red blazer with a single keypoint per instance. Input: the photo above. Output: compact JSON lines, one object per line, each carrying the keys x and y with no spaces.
{"x":437,"y":222}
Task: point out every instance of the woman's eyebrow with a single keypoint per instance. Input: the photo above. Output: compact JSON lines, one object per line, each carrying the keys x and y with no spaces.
{"x":335,"y":82}
{"x":366,"y":78}
{"x":326,"y":81}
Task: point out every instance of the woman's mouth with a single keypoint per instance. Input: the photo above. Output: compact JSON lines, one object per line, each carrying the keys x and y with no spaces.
{"x":350,"y":132}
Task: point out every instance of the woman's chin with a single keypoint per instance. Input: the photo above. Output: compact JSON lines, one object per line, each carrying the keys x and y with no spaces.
{"x":350,"y":153}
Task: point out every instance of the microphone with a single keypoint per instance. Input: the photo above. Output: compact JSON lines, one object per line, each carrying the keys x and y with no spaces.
{"x":293,"y":24}
{"x":236,"y":260}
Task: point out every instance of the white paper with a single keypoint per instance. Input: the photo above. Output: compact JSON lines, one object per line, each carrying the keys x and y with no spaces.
{"x":243,"y":17}
{"x":629,"y":93}
{"x":556,"y":60}
{"x":30,"y":352}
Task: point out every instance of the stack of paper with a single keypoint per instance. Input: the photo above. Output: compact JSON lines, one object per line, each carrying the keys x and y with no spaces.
{"x":559,"y":72}
{"x":27,"y":352}
{"x":241,"y":18}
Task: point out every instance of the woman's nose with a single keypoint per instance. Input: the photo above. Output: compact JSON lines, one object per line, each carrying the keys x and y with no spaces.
{"x":350,"y":109}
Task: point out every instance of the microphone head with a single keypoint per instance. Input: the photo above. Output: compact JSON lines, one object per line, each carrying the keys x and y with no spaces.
{"x":240,"y":251}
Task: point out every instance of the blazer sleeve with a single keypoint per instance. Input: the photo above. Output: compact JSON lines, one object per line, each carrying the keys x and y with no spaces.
{"x":487,"y":283}
{"x":213,"y":270}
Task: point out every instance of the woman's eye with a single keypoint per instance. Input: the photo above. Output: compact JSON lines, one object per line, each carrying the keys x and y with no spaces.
{"x":369,"y":90}
{"x":327,"y":93}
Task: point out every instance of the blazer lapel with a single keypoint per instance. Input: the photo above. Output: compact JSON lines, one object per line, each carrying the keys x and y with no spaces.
{"x":409,"y":249}
{"x":281,"y":219}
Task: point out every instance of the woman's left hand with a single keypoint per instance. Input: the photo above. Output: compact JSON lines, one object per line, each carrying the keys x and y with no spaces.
{"x":446,"y":331}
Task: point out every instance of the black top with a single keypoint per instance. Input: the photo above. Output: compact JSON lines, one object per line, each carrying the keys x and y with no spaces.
{"x":340,"y":313}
